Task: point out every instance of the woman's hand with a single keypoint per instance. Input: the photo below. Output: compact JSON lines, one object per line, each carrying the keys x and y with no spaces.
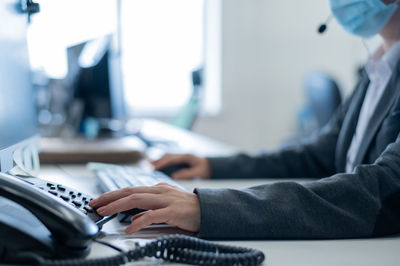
{"x":166,"y":204}
{"x":198,"y":166}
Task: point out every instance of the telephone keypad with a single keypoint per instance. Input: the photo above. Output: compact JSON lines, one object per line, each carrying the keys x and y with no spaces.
{"x":73,"y":197}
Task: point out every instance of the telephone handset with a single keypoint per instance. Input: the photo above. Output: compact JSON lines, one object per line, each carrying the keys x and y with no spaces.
{"x":63,"y":230}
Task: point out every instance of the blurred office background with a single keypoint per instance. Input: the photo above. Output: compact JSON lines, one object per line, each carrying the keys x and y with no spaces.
{"x":268,"y":47}
{"x":254,"y":56}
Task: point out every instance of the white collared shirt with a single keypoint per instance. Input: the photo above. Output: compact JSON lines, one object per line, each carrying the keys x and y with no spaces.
{"x":379,"y":69}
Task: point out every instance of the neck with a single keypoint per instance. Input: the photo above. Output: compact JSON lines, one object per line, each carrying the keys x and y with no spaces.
{"x":388,"y":42}
{"x":391,"y":33}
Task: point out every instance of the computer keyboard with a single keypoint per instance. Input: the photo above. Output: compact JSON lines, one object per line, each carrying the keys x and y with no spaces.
{"x":111,"y":177}
{"x":75,"y":198}
{"x":116,"y":177}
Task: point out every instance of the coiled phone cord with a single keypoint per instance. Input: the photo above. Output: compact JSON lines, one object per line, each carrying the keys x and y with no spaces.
{"x":174,"y":248}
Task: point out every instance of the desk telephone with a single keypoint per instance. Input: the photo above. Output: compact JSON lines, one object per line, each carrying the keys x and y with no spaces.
{"x":49,"y":224}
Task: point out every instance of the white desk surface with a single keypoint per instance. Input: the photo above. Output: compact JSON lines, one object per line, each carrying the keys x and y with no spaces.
{"x":365,"y":252}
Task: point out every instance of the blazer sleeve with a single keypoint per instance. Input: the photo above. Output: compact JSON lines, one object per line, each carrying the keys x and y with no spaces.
{"x":361,"y":204}
{"x":314,"y":157}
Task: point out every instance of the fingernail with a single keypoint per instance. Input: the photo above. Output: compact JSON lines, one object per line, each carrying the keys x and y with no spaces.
{"x":101,"y":210}
{"x":129,"y":231}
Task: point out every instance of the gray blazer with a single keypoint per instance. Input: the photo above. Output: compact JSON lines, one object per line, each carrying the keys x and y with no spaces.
{"x":364,"y":203}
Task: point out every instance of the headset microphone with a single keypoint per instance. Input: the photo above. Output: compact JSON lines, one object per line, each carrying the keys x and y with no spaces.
{"x":323,"y":27}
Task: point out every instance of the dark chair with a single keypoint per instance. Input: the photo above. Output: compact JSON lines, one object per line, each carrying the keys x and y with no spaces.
{"x":322,"y":99}
{"x":323,"y":96}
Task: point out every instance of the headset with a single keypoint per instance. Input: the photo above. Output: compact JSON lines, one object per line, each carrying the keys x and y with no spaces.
{"x":324,"y":26}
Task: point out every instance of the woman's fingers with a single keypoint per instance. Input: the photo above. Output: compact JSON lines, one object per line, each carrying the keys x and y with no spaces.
{"x":165,"y":204}
{"x":171,"y":159}
{"x":198,"y":166}
{"x":148,"y":218}
{"x":146,"y":201}
{"x":137,"y":216}
{"x":109,"y":197}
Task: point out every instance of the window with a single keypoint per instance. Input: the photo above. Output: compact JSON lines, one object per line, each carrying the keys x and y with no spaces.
{"x":162,"y":42}
{"x":63,"y":23}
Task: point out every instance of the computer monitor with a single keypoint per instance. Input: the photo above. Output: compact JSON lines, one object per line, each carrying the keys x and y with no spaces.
{"x":18,"y":132}
{"x":97,"y":82}
{"x":94,"y":77}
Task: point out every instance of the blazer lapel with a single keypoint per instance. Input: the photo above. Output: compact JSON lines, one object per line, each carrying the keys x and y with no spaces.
{"x":385,"y":103}
{"x":350,"y":123}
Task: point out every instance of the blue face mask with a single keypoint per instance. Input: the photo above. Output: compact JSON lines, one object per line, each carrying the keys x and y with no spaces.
{"x":364,"y":18}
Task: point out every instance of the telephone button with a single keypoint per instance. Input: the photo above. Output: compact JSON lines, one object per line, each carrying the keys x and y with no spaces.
{"x":77,"y":203}
{"x":61,"y":188}
{"x":66,"y":198}
{"x":53,"y":192}
{"x":88,"y":209}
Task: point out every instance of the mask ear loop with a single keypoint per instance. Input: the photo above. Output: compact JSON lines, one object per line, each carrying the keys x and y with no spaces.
{"x":366,"y":47}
